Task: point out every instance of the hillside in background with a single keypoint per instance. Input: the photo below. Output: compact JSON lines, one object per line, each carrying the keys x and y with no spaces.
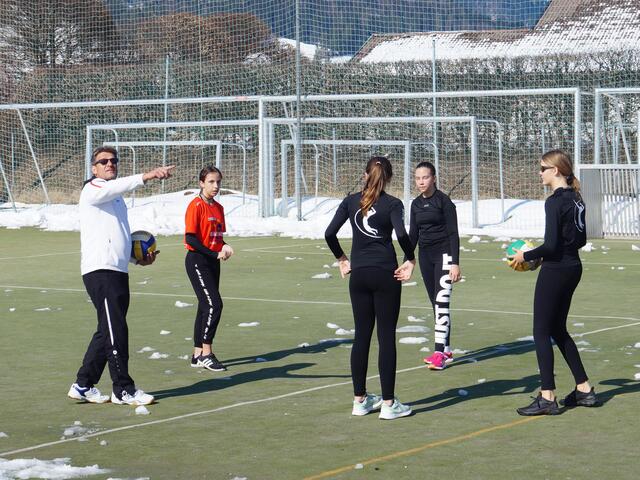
{"x":344,"y":25}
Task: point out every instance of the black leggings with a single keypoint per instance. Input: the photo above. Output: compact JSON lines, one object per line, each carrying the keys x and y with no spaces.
{"x":554,"y":289}
{"x":375,"y":297}
{"x":204,"y":273}
{"x":435,"y":264}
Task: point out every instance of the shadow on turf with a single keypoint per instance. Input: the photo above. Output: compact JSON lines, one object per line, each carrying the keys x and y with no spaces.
{"x":219,"y":383}
{"x":280,"y":354}
{"x":488,"y":389}
{"x":624,"y":386}
{"x":494,"y":351}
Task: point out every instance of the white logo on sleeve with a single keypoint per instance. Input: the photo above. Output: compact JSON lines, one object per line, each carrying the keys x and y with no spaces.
{"x":362,"y":222}
{"x":578,"y":213}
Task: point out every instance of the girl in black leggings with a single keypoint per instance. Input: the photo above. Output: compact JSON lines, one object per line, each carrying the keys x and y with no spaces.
{"x":564,"y":234}
{"x":374,"y":285}
{"x":434,"y":227}
{"x":204,"y":226}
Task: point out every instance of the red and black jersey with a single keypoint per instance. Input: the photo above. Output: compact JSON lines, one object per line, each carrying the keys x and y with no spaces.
{"x":206,"y":221}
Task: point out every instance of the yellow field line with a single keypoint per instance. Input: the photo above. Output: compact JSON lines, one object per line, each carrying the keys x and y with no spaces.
{"x":404,"y":453}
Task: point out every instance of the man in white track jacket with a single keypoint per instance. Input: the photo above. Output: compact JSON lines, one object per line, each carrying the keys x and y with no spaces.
{"x":105,"y":244}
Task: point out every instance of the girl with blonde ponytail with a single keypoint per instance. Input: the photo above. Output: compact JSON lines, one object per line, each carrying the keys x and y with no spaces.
{"x":564,"y":235}
{"x":374,"y":285}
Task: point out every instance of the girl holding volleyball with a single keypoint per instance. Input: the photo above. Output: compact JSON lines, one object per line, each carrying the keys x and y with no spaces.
{"x":565,"y":233}
{"x":433,"y":226}
{"x":373,"y":286}
{"x":204,"y":226}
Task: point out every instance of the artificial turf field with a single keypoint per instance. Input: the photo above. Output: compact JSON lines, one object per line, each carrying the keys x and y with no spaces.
{"x":287,"y":415}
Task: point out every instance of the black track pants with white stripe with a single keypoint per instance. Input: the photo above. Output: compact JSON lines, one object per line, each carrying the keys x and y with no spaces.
{"x":109,"y":292}
{"x":204,"y":274}
{"x":435,"y":264}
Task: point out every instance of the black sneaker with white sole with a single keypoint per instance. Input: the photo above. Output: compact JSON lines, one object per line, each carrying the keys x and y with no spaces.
{"x":194,"y":361}
{"x":210,"y":362}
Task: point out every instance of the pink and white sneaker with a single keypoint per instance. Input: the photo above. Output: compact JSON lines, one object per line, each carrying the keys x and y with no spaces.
{"x":438,"y":360}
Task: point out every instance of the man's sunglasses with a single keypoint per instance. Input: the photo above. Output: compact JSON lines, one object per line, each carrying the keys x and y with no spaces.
{"x":104,"y":161}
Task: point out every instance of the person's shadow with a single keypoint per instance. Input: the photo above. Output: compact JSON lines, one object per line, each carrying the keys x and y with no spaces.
{"x":320,"y":347}
{"x":219,"y":383}
{"x":624,"y":386}
{"x":518,"y":347}
{"x":480,"y":390}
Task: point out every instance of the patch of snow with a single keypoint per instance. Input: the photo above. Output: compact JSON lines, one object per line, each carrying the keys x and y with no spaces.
{"x":412,"y":340}
{"x":58,"y":468}
{"x":322,"y":275}
{"x":249,"y":324}
{"x":165,"y":332}
{"x":412,"y":329}
{"x":342,"y":331}
{"x":158,"y":355}
{"x":180,"y":304}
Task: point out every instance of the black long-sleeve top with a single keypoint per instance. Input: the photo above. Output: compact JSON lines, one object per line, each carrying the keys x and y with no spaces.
{"x":564,"y":231}
{"x":192,"y":240}
{"x":372,"y":245}
{"x":433,"y":221}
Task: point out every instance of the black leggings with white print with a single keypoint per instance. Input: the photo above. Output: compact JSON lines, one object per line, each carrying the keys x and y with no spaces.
{"x":204,"y":274}
{"x":435,"y":264}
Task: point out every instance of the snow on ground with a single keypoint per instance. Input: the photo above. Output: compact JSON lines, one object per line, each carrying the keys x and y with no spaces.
{"x":164,"y":215}
{"x":58,"y":469}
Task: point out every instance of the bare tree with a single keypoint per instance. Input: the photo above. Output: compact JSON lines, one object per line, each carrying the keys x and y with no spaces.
{"x":51,"y":33}
{"x":219,"y":38}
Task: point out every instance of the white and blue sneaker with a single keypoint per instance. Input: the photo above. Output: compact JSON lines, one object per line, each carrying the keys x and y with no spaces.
{"x":87,"y":394}
{"x":369,"y":404}
{"x":395,"y":410}
{"x":138,"y":398}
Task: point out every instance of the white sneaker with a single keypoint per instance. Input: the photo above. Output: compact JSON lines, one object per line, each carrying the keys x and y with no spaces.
{"x":396,"y":410}
{"x":138,"y":398}
{"x":86,"y":394}
{"x":369,"y":404}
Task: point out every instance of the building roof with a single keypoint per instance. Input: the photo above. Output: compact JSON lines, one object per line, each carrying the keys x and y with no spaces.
{"x":566,"y":27}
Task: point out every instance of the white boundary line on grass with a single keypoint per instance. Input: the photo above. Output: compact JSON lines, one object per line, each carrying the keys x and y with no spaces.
{"x":316,"y":302}
{"x":261,"y":400}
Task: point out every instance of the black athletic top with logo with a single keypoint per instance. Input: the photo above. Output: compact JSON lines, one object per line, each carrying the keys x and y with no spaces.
{"x":372,"y":245}
{"x":564,"y":231}
{"x":433,"y":221}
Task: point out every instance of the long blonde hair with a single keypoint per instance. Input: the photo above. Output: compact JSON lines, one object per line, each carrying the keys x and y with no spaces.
{"x":560,"y":160}
{"x":379,"y":173}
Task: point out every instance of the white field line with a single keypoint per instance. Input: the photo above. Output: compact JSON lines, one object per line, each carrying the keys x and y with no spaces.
{"x":267,"y":249}
{"x":77,"y":252}
{"x":254,"y":402}
{"x":316,"y":302}
{"x":194,"y":414}
{"x":285,"y":395}
{"x":464,"y":257}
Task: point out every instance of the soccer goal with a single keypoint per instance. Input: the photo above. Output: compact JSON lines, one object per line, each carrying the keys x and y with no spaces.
{"x":612,"y":195}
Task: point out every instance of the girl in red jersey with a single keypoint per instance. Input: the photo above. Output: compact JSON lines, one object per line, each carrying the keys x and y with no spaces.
{"x":204,"y":225}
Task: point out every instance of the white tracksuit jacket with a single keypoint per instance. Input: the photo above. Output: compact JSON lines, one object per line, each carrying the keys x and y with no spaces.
{"x":105,"y":237}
